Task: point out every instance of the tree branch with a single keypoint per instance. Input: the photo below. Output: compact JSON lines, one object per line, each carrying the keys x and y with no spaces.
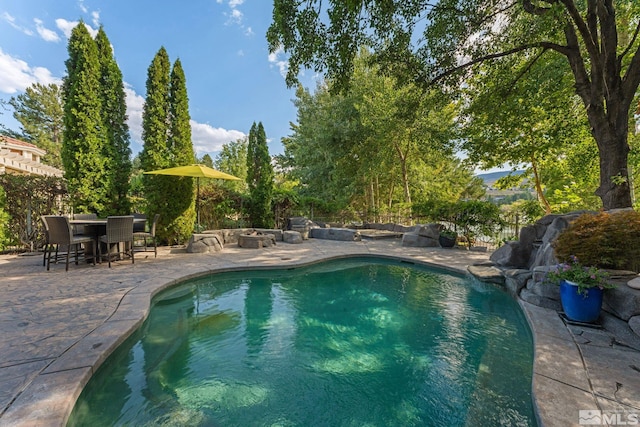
{"x":631,"y":79}
{"x":587,"y":37}
{"x":630,"y":45}
{"x":545,"y":45}
{"x":533,"y":9}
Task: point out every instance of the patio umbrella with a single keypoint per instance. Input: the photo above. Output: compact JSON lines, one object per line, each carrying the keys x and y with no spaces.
{"x":196,"y":171}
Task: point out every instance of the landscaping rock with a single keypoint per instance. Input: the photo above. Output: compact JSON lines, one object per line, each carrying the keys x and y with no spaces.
{"x":516,"y":279}
{"x":277,"y":233}
{"x":528,"y":296}
{"x":341,"y":234}
{"x":431,"y":231}
{"x":416,"y":241}
{"x":291,"y":236}
{"x":502,"y":256}
{"x":622,"y":301}
{"x":634,"y":324}
{"x":203,"y":243}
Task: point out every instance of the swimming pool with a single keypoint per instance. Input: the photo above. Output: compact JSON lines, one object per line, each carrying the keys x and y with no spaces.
{"x":350,"y":342}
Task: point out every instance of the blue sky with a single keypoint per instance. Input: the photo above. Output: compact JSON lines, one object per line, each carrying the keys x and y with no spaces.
{"x":232,"y":80}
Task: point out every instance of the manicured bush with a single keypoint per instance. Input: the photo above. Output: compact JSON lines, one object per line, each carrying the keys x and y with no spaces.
{"x":604,"y":240}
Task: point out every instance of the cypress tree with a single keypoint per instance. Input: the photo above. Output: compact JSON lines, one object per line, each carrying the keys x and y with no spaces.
{"x":155,"y":131}
{"x":84,"y":133}
{"x":114,"y":115}
{"x":181,"y":212}
{"x":259,"y":178}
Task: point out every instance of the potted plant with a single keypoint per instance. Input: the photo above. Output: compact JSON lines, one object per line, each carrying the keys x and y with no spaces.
{"x":447,"y":238}
{"x":581,"y":289}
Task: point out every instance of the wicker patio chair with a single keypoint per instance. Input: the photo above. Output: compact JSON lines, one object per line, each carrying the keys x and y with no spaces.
{"x":119,"y":229}
{"x":60,"y":233}
{"x":151,"y":234}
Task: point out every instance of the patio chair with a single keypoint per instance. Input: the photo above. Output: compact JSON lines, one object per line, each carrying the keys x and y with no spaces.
{"x":151,"y":234}
{"x":119,"y":229}
{"x":139,"y":227}
{"x":60,"y":233}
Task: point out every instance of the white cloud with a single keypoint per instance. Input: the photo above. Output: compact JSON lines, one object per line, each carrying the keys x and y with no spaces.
{"x":241,"y":52}
{"x":16,"y":75}
{"x":235,"y":17}
{"x":67,"y":26}
{"x":235,"y":3}
{"x":82,"y":6}
{"x":207,"y":139}
{"x":95,"y":18}
{"x":276,"y":59}
{"x":12,"y":21}
{"x":248,"y":32}
{"x":135,"y":104}
{"x":46,"y":34}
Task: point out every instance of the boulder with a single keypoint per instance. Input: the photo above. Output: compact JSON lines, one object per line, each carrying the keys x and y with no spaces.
{"x":503,"y":255}
{"x":623,"y":302}
{"x":417,"y":241}
{"x":431,"y":231}
{"x":634,"y":324}
{"x":528,"y":296}
{"x":516,"y":279}
{"x":341,"y":234}
{"x":203,"y":243}
{"x":277,"y":233}
{"x":290,"y":236}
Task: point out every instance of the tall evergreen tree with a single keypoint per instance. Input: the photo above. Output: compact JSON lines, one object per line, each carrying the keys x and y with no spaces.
{"x":166,"y":133}
{"x":155,"y":131}
{"x":114,"y":116}
{"x":259,"y":178}
{"x":40,"y":113}
{"x":84,"y":133}
{"x":180,"y":212}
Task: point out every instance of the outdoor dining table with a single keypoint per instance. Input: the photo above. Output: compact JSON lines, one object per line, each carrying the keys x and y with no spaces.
{"x":98,"y":227}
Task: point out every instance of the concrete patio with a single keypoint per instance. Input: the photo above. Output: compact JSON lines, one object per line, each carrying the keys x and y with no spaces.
{"x":57,"y":328}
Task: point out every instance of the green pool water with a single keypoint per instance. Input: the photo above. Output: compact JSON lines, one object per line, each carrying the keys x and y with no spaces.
{"x":357,"y":342}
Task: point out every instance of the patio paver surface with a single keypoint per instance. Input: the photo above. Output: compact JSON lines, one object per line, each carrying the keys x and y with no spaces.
{"x":57,"y":327}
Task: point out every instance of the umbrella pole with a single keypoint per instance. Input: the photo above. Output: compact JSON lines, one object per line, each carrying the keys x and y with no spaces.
{"x":198,"y":202}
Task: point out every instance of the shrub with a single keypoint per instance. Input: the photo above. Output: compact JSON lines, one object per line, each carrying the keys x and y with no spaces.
{"x":4,"y":221}
{"x":604,"y":240}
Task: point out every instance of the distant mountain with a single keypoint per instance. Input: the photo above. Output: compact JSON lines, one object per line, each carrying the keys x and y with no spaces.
{"x":491,"y":177}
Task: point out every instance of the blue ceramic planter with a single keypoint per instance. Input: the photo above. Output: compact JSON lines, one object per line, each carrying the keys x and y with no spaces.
{"x":580,"y":308}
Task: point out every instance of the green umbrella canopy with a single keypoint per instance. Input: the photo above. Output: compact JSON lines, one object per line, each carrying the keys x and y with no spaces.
{"x":195,"y":171}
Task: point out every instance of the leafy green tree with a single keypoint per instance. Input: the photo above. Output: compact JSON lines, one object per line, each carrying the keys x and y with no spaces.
{"x":4,"y":221}
{"x":206,"y":160}
{"x":232,"y":159}
{"x":114,"y":116}
{"x":84,"y":136}
{"x":496,"y":117}
{"x":378,"y":148}
{"x":40,"y":113}
{"x":180,"y":213}
{"x":259,"y":178}
{"x":444,"y":41}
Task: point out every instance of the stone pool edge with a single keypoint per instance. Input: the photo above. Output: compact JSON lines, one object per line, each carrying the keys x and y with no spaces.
{"x":49,"y":399}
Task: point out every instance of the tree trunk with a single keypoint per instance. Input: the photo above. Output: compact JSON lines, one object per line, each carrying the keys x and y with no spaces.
{"x":613,"y":148}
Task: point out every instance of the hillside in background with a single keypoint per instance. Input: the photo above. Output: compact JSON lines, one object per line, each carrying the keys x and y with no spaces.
{"x":491,"y":177}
